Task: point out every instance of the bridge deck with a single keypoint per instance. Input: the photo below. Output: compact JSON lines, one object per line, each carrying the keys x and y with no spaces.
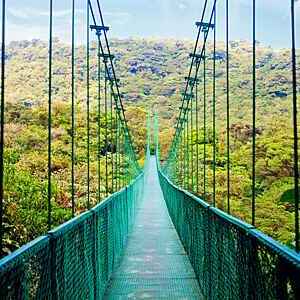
{"x":155,"y":265}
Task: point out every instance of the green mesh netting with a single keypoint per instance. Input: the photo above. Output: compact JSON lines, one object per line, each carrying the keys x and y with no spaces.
{"x":76,"y":260}
{"x":231,"y":259}
{"x":26,"y":273}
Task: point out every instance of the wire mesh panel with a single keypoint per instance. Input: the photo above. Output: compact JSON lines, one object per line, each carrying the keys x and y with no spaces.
{"x":274,"y":269}
{"x":199,"y":248}
{"x":229,"y":256}
{"x":26,"y":273}
{"x":72,"y":248}
{"x":231,"y":259}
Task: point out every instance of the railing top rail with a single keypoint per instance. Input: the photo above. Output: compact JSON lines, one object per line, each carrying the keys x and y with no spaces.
{"x":17,"y":256}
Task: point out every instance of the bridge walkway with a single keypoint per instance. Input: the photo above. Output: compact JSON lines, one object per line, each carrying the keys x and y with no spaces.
{"x":155,"y":265}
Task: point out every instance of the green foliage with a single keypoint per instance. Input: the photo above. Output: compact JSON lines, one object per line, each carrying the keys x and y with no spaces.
{"x":274,"y":181}
{"x":25,"y":204}
{"x":151,"y":73}
{"x":26,"y":167}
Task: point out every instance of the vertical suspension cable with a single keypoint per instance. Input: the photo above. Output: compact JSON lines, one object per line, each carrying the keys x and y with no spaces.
{"x":2,"y":125}
{"x":204,"y":124}
{"x":214,"y":108}
{"x":180,"y":160}
{"x":197,"y":136}
{"x":106,"y":135}
{"x":178,"y":165}
{"x":127,"y":158}
{"x":50,"y":111}
{"x":99,"y":120}
{"x":123,"y":156}
{"x":182,"y":136}
{"x":186,"y":152}
{"x":111,"y":142}
{"x":227,"y":106}
{"x":295,"y":127}
{"x":187,"y":149}
{"x":119,"y":153}
{"x":88,"y":99}
{"x":192,"y":146}
{"x":183,"y":155}
{"x":254,"y":116}
{"x":116,"y":149}
{"x":73,"y":110}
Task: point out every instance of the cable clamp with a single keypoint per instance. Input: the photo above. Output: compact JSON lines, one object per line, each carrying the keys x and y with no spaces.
{"x":106,"y":56}
{"x":187,"y":96}
{"x":205,"y":26}
{"x":191,"y":80}
{"x":197,"y":56}
{"x":99,"y":29}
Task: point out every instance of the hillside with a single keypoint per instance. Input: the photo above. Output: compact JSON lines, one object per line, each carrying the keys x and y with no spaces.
{"x":152,"y":78}
{"x":152,"y":71}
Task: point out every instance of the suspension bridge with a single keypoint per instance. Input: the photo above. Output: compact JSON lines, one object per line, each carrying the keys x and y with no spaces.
{"x":152,"y":233}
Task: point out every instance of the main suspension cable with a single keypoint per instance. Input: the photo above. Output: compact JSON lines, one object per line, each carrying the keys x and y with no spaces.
{"x":114,"y":77}
{"x":182,"y":113}
{"x":179,"y":124}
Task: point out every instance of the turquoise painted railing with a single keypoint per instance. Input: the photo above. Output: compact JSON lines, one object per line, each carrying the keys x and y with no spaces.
{"x":75,"y":260}
{"x":232,"y":260}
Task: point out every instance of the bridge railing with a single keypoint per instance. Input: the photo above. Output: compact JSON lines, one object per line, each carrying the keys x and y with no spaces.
{"x":76,"y":260}
{"x":231,"y":259}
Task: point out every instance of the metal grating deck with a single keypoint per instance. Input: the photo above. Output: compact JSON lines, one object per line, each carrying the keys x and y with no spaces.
{"x":155,"y":265}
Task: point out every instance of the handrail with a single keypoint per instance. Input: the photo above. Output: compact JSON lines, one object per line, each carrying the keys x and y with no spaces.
{"x":253,"y":265}
{"x":277,"y":246}
{"x":76,"y":259}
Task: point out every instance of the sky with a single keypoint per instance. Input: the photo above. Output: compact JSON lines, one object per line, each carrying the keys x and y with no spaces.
{"x":28,"y":19}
